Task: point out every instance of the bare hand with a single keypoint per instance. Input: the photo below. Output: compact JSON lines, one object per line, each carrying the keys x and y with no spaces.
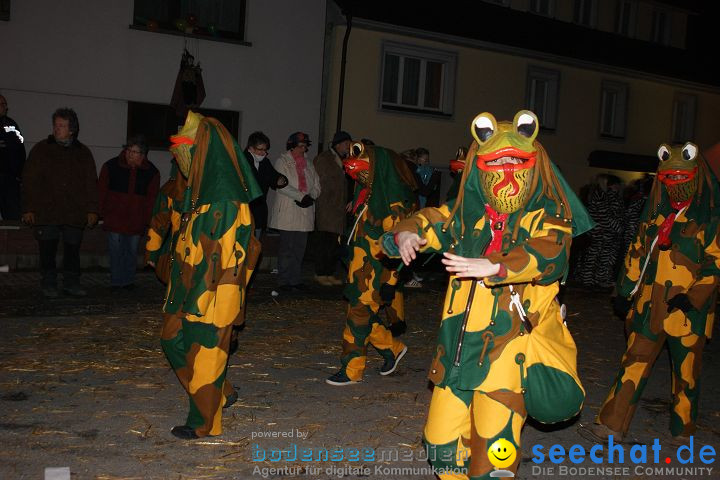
{"x":92,"y":219}
{"x":348,"y":207}
{"x":151,"y":263}
{"x":408,"y":243}
{"x":28,"y":218}
{"x":469,"y":267}
{"x":282,"y":182}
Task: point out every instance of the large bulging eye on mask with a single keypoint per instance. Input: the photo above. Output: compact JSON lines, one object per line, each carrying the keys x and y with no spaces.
{"x":689,"y":152}
{"x":483,"y":127}
{"x":526,"y":124}
{"x":663,"y":153}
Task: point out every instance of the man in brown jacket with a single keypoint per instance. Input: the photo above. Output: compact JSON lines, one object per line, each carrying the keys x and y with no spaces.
{"x":59,"y":195}
{"x":330,"y":208}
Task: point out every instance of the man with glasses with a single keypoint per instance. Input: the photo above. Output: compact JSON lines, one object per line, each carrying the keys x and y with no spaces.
{"x":127,"y":189}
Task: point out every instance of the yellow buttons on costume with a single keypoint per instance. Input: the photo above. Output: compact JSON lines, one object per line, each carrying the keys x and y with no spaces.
{"x":502,"y":453}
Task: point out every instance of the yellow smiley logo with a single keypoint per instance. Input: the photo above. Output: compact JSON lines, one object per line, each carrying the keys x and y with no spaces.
{"x":502,"y":453}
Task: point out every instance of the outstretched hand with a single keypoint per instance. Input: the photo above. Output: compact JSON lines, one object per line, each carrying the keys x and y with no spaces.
{"x":469,"y":267}
{"x":409,"y":243}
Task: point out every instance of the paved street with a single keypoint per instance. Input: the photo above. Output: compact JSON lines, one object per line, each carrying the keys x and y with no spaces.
{"x":85,"y":385}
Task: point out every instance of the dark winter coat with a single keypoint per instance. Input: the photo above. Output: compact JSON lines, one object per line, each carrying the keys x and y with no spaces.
{"x":60,"y":183}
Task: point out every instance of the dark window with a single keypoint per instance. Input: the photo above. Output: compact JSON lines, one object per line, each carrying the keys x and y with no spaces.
{"x":625,"y":17}
{"x":216,"y":19}
{"x":542,"y":7}
{"x":683,"y":118}
{"x":543,"y":95}
{"x":4,"y":9}
{"x":660,"y":27}
{"x":613,"y":109}
{"x":417,"y":80}
{"x":584,"y":12}
{"x":158,"y":122}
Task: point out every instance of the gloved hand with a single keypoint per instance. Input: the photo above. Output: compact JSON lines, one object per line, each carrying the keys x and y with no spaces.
{"x":306,"y":202}
{"x":398,"y":328}
{"x":621,"y":306}
{"x":387,"y":293}
{"x":680,"y":301}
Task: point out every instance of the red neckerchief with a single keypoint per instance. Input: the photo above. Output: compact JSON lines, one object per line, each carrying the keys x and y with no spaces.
{"x":666,"y":226}
{"x":497,"y":227}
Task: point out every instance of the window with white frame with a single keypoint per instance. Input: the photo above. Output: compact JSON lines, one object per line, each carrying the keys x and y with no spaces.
{"x":542,"y":95}
{"x":625,"y":17}
{"x":660,"y":32}
{"x":683,"y":118}
{"x":613,"y":109}
{"x":543,"y":7}
{"x":417,"y":79}
{"x":585,"y":12}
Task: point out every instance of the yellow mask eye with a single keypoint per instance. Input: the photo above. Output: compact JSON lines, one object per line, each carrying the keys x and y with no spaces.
{"x":483,"y":127}
{"x":526,"y":124}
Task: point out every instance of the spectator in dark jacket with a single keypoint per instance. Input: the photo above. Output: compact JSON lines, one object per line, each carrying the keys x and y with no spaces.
{"x":12,"y":158}
{"x":256,"y":153}
{"x":59,"y":197}
{"x":127,"y":188}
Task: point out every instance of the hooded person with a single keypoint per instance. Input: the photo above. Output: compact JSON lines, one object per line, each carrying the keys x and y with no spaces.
{"x":213,"y":253}
{"x":383,"y":196}
{"x":667,"y":291}
{"x":503,"y":351}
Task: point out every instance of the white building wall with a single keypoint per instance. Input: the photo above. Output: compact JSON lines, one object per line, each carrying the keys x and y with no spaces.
{"x":81,"y":54}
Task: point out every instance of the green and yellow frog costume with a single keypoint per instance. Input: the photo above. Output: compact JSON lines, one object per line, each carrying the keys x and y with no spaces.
{"x":670,"y":276}
{"x":515,"y":209}
{"x":383,"y":196}
{"x":213,"y":253}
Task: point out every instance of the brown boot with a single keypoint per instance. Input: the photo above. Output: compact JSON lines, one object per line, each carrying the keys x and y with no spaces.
{"x":599,"y":433}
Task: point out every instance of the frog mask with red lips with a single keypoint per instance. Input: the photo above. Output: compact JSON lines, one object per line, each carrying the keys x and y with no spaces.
{"x":678,"y":171}
{"x":505,"y":159}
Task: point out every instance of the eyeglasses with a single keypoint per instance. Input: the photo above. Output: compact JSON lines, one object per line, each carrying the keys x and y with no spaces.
{"x":136,"y":152}
{"x":264,"y":149}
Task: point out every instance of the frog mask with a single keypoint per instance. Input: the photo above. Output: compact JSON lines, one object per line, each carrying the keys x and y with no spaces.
{"x":505,"y":158}
{"x":181,"y":143}
{"x":357,"y":164}
{"x":678,"y":171}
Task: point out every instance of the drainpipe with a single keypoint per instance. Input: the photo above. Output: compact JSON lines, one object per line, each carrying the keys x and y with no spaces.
{"x":341,"y":92}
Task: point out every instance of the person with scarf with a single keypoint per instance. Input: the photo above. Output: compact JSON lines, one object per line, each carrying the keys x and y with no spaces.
{"x":212,"y":254}
{"x":384,"y":195}
{"x":503,"y":352}
{"x":666,"y":293}
{"x":292,"y":210}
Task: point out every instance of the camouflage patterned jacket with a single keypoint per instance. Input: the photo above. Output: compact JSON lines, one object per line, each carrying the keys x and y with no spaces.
{"x":691,"y":265}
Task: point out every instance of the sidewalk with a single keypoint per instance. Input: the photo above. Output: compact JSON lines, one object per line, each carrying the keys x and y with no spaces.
{"x":85,"y":385}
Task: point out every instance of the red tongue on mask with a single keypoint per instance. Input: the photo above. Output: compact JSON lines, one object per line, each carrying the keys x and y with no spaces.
{"x":508,"y":179}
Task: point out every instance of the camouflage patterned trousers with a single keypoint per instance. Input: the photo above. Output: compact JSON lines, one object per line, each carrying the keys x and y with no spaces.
{"x":198,"y":353}
{"x":637,"y":362}
{"x":463,"y":424}
{"x":364,"y":325}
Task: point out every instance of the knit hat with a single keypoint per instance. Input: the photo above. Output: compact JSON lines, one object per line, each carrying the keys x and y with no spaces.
{"x":340,"y":137}
{"x":296,"y":138}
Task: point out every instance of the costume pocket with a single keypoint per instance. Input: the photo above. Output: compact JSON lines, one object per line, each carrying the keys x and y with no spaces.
{"x":437,"y":369}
